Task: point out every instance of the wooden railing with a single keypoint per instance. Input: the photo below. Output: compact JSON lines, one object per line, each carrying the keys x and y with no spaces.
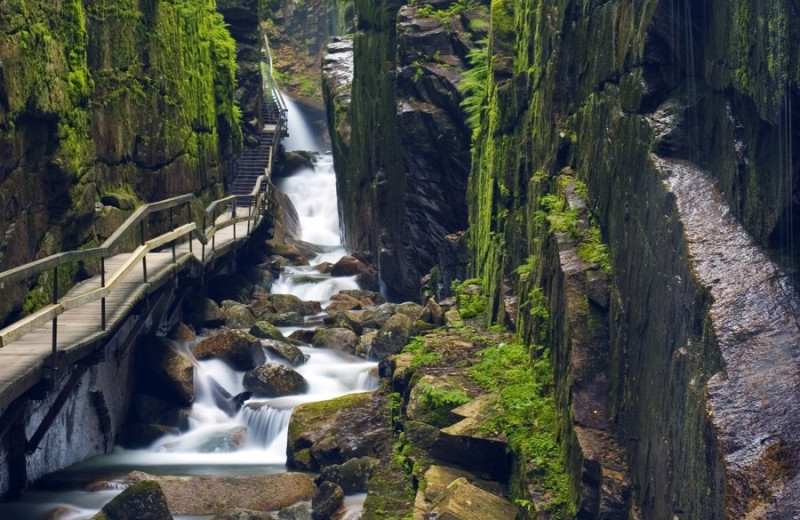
{"x":186,"y":230}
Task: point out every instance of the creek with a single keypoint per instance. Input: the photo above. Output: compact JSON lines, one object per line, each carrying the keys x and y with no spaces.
{"x":253,"y":440}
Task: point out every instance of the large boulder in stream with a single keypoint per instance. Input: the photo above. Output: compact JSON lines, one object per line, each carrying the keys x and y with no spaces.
{"x":237,"y":315}
{"x":348,"y":266}
{"x":238,"y":349}
{"x":352,"y":476}
{"x":392,"y":337}
{"x":274,"y":380}
{"x":333,"y":431}
{"x":327,"y":501}
{"x":266,"y":330}
{"x":285,"y":351}
{"x":218,"y":495}
{"x":172,"y":374}
{"x":283,"y":303}
{"x":341,"y":339}
{"x":143,"y":500}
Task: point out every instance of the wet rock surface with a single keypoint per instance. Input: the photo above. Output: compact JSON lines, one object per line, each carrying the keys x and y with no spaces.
{"x":143,"y":500}
{"x":240,"y":350}
{"x":173,"y":373}
{"x":274,"y":380}
{"x":214,"y":495}
{"x":331,"y":432}
{"x":751,"y":404}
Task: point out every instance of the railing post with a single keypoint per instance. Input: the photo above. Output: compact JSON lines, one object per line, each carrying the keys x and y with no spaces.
{"x":189,"y":219}
{"x":53,"y":362}
{"x":171,"y":227}
{"x":103,"y":300}
{"x":203,"y":253}
{"x":233,"y":216}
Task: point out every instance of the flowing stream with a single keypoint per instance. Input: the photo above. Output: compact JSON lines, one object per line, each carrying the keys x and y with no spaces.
{"x":253,"y":441}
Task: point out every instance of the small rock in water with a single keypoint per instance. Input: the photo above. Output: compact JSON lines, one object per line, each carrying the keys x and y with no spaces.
{"x":295,"y":512}
{"x":327,"y":501}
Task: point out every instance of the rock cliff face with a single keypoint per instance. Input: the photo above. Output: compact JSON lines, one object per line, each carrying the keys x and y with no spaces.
{"x":662,"y":119}
{"x":633,"y":164}
{"x":112,"y":102}
{"x":402,"y":149}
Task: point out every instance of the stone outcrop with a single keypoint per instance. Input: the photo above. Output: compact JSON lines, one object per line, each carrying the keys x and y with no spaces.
{"x":463,"y":501}
{"x":664,"y":120}
{"x":172,"y":373}
{"x":331,"y":432}
{"x":402,"y":163}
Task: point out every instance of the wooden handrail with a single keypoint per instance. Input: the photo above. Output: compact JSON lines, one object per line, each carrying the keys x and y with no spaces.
{"x":35,"y":320}
{"x":37,"y":267}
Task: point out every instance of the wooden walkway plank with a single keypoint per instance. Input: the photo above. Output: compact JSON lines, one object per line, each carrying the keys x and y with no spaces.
{"x":24,"y":360}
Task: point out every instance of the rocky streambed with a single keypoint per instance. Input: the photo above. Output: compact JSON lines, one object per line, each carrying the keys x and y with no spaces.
{"x":426,"y":438}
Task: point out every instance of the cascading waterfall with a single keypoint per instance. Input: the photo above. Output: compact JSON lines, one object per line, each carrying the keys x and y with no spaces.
{"x":253,"y":439}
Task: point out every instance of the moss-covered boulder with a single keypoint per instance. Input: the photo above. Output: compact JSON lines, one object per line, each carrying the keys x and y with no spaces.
{"x":285,"y":351}
{"x":274,"y":380}
{"x":433,"y":397}
{"x":204,"y":312}
{"x":143,"y":500}
{"x":327,"y":501}
{"x":341,"y":339}
{"x":287,"y":303}
{"x":266,"y":330}
{"x":237,"y":315}
{"x":238,"y":349}
{"x":352,"y":476}
{"x":392,"y":337}
{"x":331,"y":432}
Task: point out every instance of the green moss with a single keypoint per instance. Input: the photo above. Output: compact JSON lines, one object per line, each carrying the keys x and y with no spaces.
{"x":529,"y":418}
{"x":423,"y":355}
{"x":470,"y":299}
{"x":436,"y":402}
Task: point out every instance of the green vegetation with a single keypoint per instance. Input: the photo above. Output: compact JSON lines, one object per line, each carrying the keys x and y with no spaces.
{"x":439,"y":401}
{"x":423,"y":355}
{"x":529,"y":419}
{"x":469,"y":297}
{"x":445,"y":15}
{"x":474,"y":84}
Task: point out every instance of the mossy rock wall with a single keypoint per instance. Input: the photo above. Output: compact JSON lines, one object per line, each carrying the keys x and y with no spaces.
{"x":402,"y":149}
{"x":590,"y":91}
{"x":104,"y":97}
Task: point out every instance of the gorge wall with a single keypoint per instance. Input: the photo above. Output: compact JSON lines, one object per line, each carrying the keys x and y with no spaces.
{"x":400,"y":140}
{"x":103,"y":105}
{"x":633,"y":175}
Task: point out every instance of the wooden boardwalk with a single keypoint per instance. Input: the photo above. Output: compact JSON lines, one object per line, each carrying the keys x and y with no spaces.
{"x":71,"y":327}
{"x":26,"y":360}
